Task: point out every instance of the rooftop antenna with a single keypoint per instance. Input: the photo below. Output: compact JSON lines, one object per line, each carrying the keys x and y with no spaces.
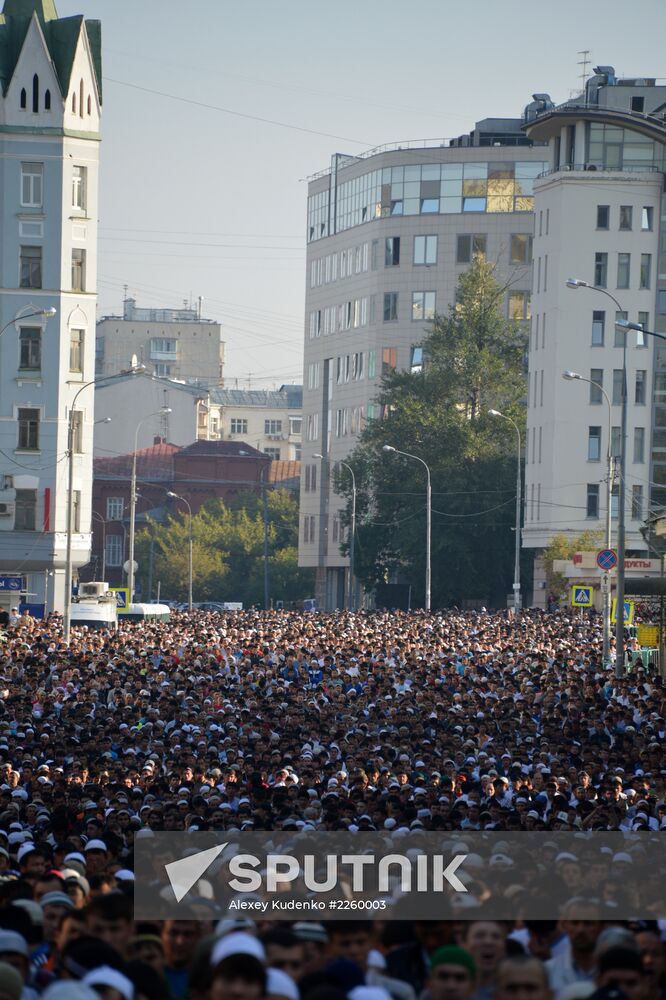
{"x":249,"y":380}
{"x":584,"y":63}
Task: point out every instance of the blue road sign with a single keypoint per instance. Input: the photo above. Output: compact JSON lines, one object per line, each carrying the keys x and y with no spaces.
{"x":607,"y":559}
{"x":14,"y":583}
{"x":581,"y":597}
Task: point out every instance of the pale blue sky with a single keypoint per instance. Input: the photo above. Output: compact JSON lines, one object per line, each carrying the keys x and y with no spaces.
{"x":199,"y":202}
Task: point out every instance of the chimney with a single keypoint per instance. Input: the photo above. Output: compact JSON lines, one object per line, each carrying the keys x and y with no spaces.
{"x":158,"y":439}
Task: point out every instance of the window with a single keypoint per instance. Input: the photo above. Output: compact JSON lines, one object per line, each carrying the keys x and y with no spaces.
{"x":115,"y":507}
{"x":162,"y":370}
{"x":238,"y":426}
{"x":620,"y":334}
{"x":637,"y":502}
{"x":273,"y":454}
{"x":308,"y":528}
{"x":468,"y":245}
{"x":390,"y":306}
{"x":25,"y":517}
{"x":114,"y":550}
{"x":28,"y":429}
{"x":30,"y":349}
{"x":35,"y":94}
{"x":47,"y":100}
{"x":521,"y":248}
{"x":372,"y":364}
{"x":646,"y":267}
{"x":615,"y":501}
{"x":640,"y":388}
{"x":32,"y":175}
{"x":596,"y":385}
{"x":389,"y":360}
{"x":79,"y":187}
{"x":639,"y":444}
{"x":600,"y":269}
{"x":626,"y":213}
{"x":623,"y":269}
{"x":357,"y":365}
{"x":644,"y":320}
{"x":392,"y":251}
{"x":637,"y":103}
{"x":598,"y":323}
{"x":163,"y":345}
{"x":295,"y":425}
{"x":647,"y":215}
{"x":78,"y":270}
{"x":77,"y":432}
{"x":416,"y":360}
{"x":592,"y":508}
{"x":603,"y":216}
{"x":519,"y":305}
{"x":425,"y":250}
{"x":423,"y":306}
{"x":24,"y":99}
{"x":312,"y":427}
{"x":617,"y":387}
{"x":76,"y":339}
{"x":272,"y":427}
{"x":616,"y":441}
{"x":76,"y":510}
{"x":593,"y":444}
{"x":31,"y":267}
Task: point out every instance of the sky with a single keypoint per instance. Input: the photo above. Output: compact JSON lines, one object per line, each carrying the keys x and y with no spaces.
{"x":215,"y":113}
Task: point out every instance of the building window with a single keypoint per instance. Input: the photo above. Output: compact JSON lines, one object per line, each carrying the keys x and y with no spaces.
{"x":521,"y":248}
{"x":640,"y":388}
{"x":423,"y":306}
{"x":598,"y":323}
{"x":596,"y":385}
{"x":30,"y":349}
{"x":620,"y":334}
{"x":519,"y":305}
{"x":238,"y":425}
{"x":79,"y":187}
{"x":372,"y":364}
{"x":389,"y":360}
{"x":626,"y":216}
{"x":593,"y":444}
{"x":646,"y":267}
{"x":32,"y":176}
{"x":24,"y":99}
{"x":616,"y":441}
{"x":425,"y":250}
{"x":623,"y":269}
{"x":114,"y":550}
{"x":31,"y":267}
{"x":295,"y":425}
{"x":77,"y":432}
{"x":416,"y":360}
{"x":592,"y":508}
{"x":162,"y":370}
{"x":392,"y":251}
{"x":115,"y":507}
{"x":308,"y":528}
{"x":639,"y":445}
{"x":603,"y":216}
{"x":35,"y":94}
{"x":272,"y":427}
{"x":615,"y":498}
{"x":47,"y":100}
{"x":617,"y":387}
{"x":644,"y":320}
{"x":273,"y":454}
{"x":468,"y":245}
{"x":76,"y":511}
{"x":601,"y":269}
{"x":76,"y":340}
{"x":25,"y":516}
{"x":28,"y":429}
{"x":78,"y":270}
{"x":647,"y":215}
{"x":637,"y":502}
{"x":390,"y":306}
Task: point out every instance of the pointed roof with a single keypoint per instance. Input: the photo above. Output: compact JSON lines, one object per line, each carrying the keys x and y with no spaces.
{"x":44,"y":9}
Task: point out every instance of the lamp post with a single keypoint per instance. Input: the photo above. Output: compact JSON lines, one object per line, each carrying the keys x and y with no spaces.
{"x":98,"y":517}
{"x":350,"y":590}
{"x":176,"y":496}
{"x":46,"y":313}
{"x":606,"y":584}
{"x":389,"y":448}
{"x":132,"y":525}
{"x":519,"y":491}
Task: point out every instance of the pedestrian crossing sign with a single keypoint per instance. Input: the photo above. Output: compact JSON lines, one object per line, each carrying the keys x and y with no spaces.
{"x":628,"y":612}
{"x":581,"y":597}
{"x":122,"y":597}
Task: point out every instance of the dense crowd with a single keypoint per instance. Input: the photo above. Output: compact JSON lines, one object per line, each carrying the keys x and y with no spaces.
{"x":244,"y":721}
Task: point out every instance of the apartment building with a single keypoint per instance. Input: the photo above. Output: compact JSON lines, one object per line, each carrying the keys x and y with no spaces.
{"x":388,"y":235}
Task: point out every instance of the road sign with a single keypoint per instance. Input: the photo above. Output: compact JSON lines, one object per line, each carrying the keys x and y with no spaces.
{"x":581,"y":597}
{"x":607,"y":559}
{"x":628,"y":612}
{"x":14,"y":583}
{"x":122,"y":597}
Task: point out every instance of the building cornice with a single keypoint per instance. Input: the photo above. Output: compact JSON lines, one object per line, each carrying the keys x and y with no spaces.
{"x":549,"y":124}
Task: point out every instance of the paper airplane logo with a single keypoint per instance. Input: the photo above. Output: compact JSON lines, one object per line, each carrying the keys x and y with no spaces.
{"x":185,"y":873}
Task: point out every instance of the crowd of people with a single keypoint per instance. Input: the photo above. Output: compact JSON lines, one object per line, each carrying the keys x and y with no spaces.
{"x":373,"y":722}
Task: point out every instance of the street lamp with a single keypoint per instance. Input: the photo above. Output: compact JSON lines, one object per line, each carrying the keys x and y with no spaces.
{"x":98,"y":517}
{"x":46,"y":313}
{"x":176,"y":496}
{"x":262,"y":481}
{"x":130,"y":560}
{"x":606,"y":585}
{"x":350,"y":599}
{"x":519,"y":492}
{"x":406,"y":454}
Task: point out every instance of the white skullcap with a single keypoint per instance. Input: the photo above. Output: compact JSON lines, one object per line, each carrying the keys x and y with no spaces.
{"x":237,"y":943}
{"x":278,"y":983}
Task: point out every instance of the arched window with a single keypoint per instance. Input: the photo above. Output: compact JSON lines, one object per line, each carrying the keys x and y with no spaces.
{"x":74,"y":102}
{"x":24,"y":100}
{"x":89,"y":105}
{"x":81,"y":98}
{"x":35,"y":93}
{"x":47,"y":100}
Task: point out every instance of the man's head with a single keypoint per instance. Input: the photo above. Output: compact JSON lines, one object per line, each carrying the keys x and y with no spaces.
{"x":350,"y":939}
{"x":452,"y":974}
{"x":622,"y":969}
{"x":284,"y":951}
{"x":238,"y":977}
{"x":486,"y":941}
{"x":109,"y":917}
{"x":180,"y":939}
{"x":522,"y":977}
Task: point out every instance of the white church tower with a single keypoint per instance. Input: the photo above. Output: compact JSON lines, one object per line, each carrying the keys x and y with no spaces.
{"x":50,"y":112}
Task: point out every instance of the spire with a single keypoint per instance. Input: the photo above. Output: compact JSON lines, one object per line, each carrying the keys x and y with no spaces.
{"x":45,"y":9}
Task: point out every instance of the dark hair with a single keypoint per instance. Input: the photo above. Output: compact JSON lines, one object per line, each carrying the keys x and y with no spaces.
{"x":245,"y":967}
{"x":110,"y":906}
{"x":279,"y":936}
{"x":620,"y":958}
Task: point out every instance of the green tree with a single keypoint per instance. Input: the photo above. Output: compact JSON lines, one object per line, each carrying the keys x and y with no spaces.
{"x":562,"y":546}
{"x":473,"y":361}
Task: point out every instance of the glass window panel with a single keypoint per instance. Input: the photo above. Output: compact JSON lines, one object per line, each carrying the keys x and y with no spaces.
{"x":411,"y":206}
{"x":499,"y":203}
{"x":429,"y":205}
{"x":475,"y":170}
{"x":474,"y":187}
{"x":430,"y":172}
{"x":524,"y":204}
{"x":412,"y":189}
{"x":413,"y":173}
{"x":452,"y":171}
{"x":449,"y":205}
{"x":397,"y":190}
{"x":473,"y":204}
{"x":397,"y":174}
{"x":449,"y":188}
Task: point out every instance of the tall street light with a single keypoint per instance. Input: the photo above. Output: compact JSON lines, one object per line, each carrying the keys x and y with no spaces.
{"x":519,"y":492}
{"x":98,"y":517}
{"x":46,"y":313}
{"x":406,"y":454}
{"x":606,"y":585}
{"x":350,"y":599}
{"x":176,"y":496}
{"x":132,"y":525}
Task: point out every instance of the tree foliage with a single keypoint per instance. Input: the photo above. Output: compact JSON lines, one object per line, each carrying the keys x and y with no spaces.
{"x":228,"y":551}
{"x":563,"y":546}
{"x":473,"y":361}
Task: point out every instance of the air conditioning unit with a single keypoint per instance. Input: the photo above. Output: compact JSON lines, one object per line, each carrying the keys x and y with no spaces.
{"x":6,"y":509}
{"x":95,"y":589}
